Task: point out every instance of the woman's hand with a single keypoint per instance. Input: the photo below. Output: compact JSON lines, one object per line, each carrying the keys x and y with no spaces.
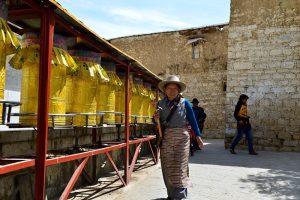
{"x":156,"y":115}
{"x":200,"y":142}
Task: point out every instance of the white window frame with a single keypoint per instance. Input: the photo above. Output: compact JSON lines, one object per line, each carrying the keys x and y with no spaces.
{"x":195,"y":50}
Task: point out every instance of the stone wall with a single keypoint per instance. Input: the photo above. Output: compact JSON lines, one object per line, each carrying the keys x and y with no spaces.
{"x":171,"y":53}
{"x":264,"y":63}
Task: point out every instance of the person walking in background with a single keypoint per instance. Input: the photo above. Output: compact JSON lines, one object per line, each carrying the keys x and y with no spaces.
{"x":243,"y":125}
{"x":200,"y":118}
{"x":199,"y":114}
{"x":174,"y":114}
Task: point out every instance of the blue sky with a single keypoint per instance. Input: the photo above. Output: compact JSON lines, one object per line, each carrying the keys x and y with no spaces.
{"x":116,"y":18}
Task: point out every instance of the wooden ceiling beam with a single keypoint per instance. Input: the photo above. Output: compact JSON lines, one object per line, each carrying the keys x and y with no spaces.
{"x":19,"y":14}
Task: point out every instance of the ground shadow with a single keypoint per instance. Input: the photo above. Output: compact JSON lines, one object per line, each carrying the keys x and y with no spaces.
{"x":144,"y":165}
{"x":276,"y":183}
{"x":94,"y":191}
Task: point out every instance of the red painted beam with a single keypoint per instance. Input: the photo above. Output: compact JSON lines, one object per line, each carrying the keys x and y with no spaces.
{"x":142,"y":139}
{"x":85,"y":173}
{"x":4,"y":169}
{"x":152,"y":152}
{"x":136,"y":154}
{"x":46,"y":44}
{"x":115,"y":167}
{"x":62,"y":159}
{"x":25,"y":13}
{"x":127,"y":125}
{"x":73,"y":180}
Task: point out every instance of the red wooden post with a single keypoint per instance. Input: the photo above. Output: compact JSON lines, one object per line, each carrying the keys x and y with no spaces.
{"x":127,"y":98}
{"x":46,"y":43}
{"x":157,"y":148}
{"x":152,"y":152}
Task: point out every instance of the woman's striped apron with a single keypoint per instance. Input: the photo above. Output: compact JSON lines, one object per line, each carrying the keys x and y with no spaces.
{"x":175,"y":158}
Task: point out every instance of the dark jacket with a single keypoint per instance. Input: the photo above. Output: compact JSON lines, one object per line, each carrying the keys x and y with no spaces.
{"x":200,"y":116}
{"x":238,"y":118}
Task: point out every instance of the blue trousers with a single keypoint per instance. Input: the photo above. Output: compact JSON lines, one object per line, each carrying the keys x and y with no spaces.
{"x":249,"y":136}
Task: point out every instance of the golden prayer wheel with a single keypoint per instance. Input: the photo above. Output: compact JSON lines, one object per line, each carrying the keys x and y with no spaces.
{"x":120,"y":101}
{"x":85,"y":81}
{"x":152,"y":106}
{"x":28,"y":59}
{"x":8,"y":45}
{"x":147,"y":103}
{"x":106,"y":98}
{"x":138,"y":95}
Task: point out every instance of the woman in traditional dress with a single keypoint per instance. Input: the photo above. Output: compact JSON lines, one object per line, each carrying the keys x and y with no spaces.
{"x":176,"y":140}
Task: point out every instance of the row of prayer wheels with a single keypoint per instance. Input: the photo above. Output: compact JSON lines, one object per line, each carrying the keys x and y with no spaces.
{"x":78,"y":85}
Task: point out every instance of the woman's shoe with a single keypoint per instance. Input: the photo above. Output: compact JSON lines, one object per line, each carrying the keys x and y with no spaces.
{"x":253,"y":153}
{"x":232,"y":151}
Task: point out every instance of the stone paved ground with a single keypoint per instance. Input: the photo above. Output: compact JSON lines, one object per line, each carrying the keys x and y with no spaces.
{"x":218,"y":175}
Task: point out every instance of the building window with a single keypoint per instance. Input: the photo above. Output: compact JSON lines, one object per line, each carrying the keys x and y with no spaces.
{"x":195,"y":50}
{"x":224,"y":87}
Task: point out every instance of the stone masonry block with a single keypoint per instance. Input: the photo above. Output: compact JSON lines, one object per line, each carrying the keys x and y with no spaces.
{"x":286,"y":148}
{"x":276,"y":52}
{"x":271,"y":148}
{"x":288,"y":64}
{"x":242,"y":65}
{"x":290,"y":76}
{"x":15,"y":136}
{"x":290,"y":89}
{"x":296,"y":136}
{"x":285,"y":136}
